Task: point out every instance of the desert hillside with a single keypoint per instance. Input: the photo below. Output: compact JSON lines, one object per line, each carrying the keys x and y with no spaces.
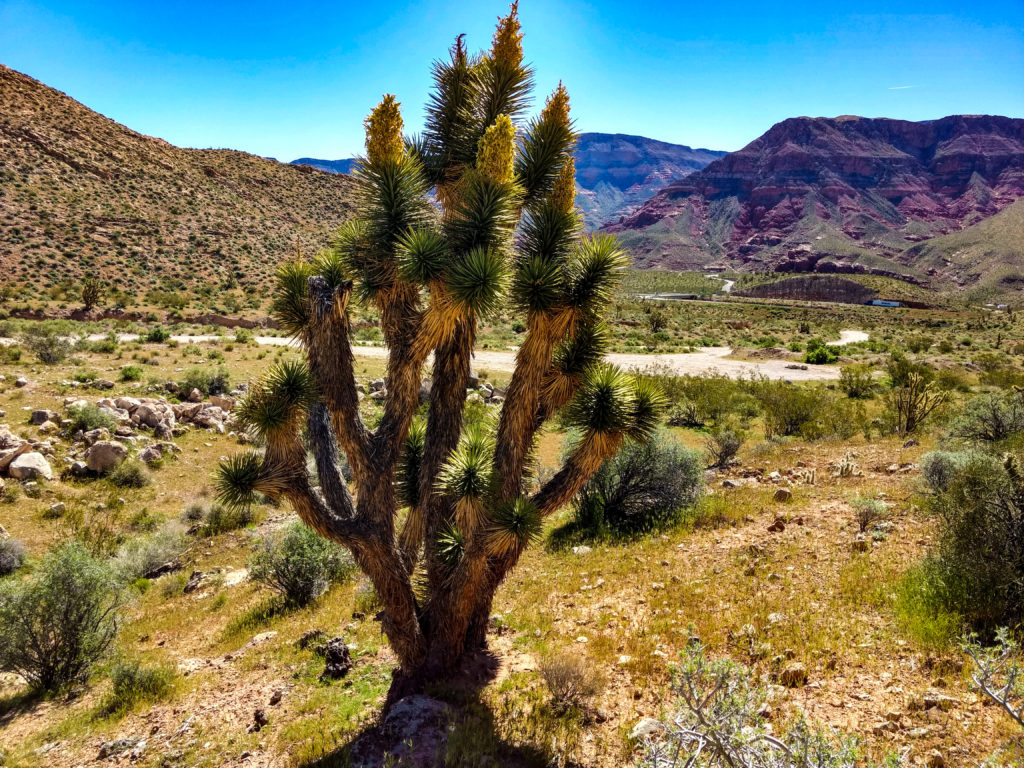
{"x":82,"y":194}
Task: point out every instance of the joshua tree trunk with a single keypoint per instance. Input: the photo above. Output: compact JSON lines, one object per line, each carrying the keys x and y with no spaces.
{"x":439,"y":501}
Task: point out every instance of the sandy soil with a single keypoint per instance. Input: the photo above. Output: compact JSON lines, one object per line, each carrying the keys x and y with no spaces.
{"x":704,"y":360}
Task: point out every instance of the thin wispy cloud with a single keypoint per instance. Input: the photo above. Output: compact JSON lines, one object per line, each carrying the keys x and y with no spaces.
{"x":901,"y":87}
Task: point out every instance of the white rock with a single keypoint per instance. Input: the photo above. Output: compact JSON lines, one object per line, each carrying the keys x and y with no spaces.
{"x":29,"y":466}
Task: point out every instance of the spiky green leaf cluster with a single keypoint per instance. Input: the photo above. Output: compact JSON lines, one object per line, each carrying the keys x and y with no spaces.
{"x":594,"y":271}
{"x":277,"y":402}
{"x":451,"y":546}
{"x":407,"y":474}
{"x":515,"y":525}
{"x":604,"y":403}
{"x":238,"y":478}
{"x":469,"y":472}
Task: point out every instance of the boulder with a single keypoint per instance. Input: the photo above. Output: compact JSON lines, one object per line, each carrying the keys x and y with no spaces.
{"x":338,"y":660}
{"x":21,"y":381}
{"x":93,"y":436}
{"x":151,"y":454}
{"x":42,"y":416}
{"x":152,"y":414}
{"x":223,"y":402}
{"x":473,"y":380}
{"x":105,"y":455}
{"x":195,"y":396}
{"x":794,"y":676}
{"x":10,"y":454}
{"x":30,"y":466}
{"x":126,"y":403}
{"x":783,"y":495}
{"x":48,"y":427}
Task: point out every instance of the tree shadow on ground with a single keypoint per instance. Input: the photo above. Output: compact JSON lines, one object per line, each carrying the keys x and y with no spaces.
{"x":470,"y":735}
{"x":18,"y":703}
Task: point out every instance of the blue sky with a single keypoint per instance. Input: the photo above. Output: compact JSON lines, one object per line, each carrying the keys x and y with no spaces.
{"x":288,"y":79}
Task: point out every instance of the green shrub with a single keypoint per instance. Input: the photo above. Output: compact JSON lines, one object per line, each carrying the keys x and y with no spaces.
{"x":85,"y":418}
{"x":219,"y":519}
{"x":130,"y":474}
{"x":11,"y":354}
{"x":869,"y":512}
{"x":140,"y":557}
{"x":55,"y":625}
{"x":819,"y":353}
{"x":132,"y":683}
{"x":207,"y":380}
{"x":244,"y":336}
{"x":131,"y":373}
{"x":12,"y":556}
{"x":976,"y":568}
{"x":299,"y":564}
{"x":47,"y":345}
{"x":699,"y":401}
{"x":722,"y":445}
{"x":643,"y":488}
{"x":990,"y":418}
{"x":901,"y":369}
{"x":856,"y":381}
{"x":157,"y":335}
{"x":786,"y":407}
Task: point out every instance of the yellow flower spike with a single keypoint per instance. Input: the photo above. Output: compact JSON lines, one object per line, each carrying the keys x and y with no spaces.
{"x":496,"y":151}
{"x":507,"y":46}
{"x":563,"y":192}
{"x":556,"y":108}
{"x":384,"y":131}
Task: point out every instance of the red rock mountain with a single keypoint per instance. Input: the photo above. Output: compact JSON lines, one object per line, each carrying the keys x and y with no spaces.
{"x":834,"y":194}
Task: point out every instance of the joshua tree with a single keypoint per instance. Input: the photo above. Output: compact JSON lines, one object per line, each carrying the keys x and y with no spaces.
{"x":92,"y":292}
{"x":473,"y":214}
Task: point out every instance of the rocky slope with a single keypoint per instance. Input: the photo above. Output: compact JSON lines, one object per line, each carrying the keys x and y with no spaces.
{"x":80,"y":193}
{"x":615,"y":173}
{"x":843,"y":194}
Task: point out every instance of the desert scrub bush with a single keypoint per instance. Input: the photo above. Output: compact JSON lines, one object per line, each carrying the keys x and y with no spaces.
{"x":11,"y":354}
{"x":899,"y":368}
{"x":209,"y":381}
{"x":718,"y":723}
{"x":909,"y":406}
{"x":217,"y":518}
{"x":868,"y":512}
{"x":699,"y":401}
{"x":856,"y":381}
{"x":55,"y":625}
{"x":990,"y":418}
{"x":12,"y":556}
{"x":572,"y":680}
{"x":156,"y":335}
{"x":131,"y":373}
{"x":819,"y":353}
{"x":996,"y":672}
{"x":810,"y":411}
{"x":130,"y":474}
{"x":721,"y":446}
{"x":48,"y":346}
{"x":88,"y":417}
{"x":940,"y":468}
{"x":643,"y":488}
{"x":299,"y":564}
{"x":133,"y":683}
{"x":975,"y":569}
{"x":144,"y":557}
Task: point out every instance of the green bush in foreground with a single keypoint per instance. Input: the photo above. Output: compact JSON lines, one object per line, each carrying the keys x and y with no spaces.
{"x":57,"y":624}
{"x":976,"y":568}
{"x":85,"y":418}
{"x":130,"y":474}
{"x":299,"y":564}
{"x":644,"y":487}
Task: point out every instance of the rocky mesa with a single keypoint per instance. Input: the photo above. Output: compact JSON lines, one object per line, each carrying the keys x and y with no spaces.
{"x":834,"y":195}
